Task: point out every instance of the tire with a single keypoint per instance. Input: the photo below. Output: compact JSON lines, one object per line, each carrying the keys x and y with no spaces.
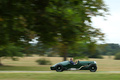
{"x":59,"y":68}
{"x":93,"y":68}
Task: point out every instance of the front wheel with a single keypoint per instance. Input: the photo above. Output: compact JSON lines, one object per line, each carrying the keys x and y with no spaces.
{"x":59,"y":68}
{"x":93,"y":68}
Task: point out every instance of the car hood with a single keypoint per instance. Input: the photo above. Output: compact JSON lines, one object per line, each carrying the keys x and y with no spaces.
{"x":63,"y":63}
{"x":87,"y":62}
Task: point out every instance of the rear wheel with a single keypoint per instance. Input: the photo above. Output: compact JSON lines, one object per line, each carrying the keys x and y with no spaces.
{"x":93,"y":68}
{"x":59,"y":68}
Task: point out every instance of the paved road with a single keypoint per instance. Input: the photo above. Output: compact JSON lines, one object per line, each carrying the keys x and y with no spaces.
{"x":55,"y":72}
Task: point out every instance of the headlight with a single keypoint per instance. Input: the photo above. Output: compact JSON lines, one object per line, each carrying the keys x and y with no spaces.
{"x":95,"y":62}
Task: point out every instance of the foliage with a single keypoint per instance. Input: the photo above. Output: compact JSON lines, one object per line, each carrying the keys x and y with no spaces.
{"x":43,"y":62}
{"x":83,"y":49}
{"x":52,"y":21}
{"x":81,"y":57}
{"x":117,"y":56}
{"x":29,"y":49}
{"x":95,"y":55}
{"x":80,"y":49}
{"x":108,"y":49}
{"x":11,"y":51}
{"x":77,"y":49}
{"x":39,"y":49}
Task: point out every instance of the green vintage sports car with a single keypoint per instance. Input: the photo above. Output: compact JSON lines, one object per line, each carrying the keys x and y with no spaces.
{"x":80,"y":65}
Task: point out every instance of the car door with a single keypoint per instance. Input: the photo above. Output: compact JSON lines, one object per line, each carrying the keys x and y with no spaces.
{"x":78,"y":65}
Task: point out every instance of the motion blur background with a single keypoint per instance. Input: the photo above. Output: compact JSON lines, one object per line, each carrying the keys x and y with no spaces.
{"x":35,"y":34}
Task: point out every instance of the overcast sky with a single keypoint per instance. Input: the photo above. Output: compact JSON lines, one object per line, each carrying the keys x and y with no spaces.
{"x":111,"y":27}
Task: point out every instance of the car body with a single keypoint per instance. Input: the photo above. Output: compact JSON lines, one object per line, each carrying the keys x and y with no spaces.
{"x":80,"y":65}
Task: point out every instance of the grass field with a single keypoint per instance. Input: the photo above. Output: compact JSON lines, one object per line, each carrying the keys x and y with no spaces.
{"x":59,"y":76}
{"x":29,"y":64}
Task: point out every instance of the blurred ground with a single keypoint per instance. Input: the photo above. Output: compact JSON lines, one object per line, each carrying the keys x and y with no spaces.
{"x":27,"y":69}
{"x":60,"y":76}
{"x":29,"y":64}
{"x":82,"y":72}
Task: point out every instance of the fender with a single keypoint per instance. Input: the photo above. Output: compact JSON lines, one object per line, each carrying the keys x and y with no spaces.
{"x":92,"y":65}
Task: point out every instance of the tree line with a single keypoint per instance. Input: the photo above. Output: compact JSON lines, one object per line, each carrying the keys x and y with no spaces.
{"x":80,"y":50}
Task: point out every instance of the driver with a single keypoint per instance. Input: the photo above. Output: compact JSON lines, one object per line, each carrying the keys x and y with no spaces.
{"x":71,"y":61}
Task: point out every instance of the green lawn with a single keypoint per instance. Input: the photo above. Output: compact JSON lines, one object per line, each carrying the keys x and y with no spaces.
{"x":59,"y":76}
{"x":25,"y":68}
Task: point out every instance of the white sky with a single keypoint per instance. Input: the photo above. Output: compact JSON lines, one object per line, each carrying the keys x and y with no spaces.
{"x":111,"y":27}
